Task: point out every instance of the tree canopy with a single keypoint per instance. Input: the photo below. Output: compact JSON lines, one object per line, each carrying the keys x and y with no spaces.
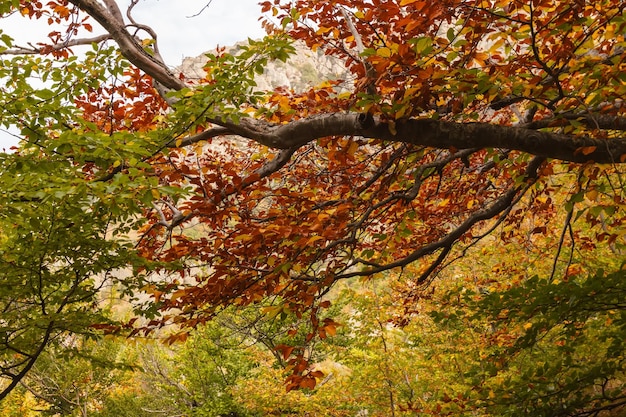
{"x":460,"y":125}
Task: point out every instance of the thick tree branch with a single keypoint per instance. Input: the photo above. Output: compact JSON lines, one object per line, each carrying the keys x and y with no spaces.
{"x":279,"y":161}
{"x":130,"y":48}
{"x":432,"y":133}
{"x":591,"y":120}
{"x":206,"y":135}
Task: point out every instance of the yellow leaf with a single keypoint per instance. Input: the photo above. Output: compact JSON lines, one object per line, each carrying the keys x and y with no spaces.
{"x":592,"y":195}
{"x":272,"y":311}
{"x":178,"y":294}
{"x":528,"y":326}
{"x":352,"y":148}
{"x":323,"y":30}
{"x":243,"y":237}
{"x":284,"y":105}
{"x":402,"y":111}
{"x":383,"y":52}
{"x":313,"y":239}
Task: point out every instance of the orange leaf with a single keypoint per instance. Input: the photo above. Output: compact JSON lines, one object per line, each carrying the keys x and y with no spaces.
{"x":316,"y":374}
{"x":586,"y":150}
{"x":285,"y":350}
{"x":308,"y":383}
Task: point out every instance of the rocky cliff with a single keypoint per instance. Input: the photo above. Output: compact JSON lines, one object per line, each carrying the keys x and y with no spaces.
{"x":303,"y":70}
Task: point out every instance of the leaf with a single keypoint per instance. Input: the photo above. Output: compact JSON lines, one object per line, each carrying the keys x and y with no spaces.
{"x":45,"y":94}
{"x":284,"y":350}
{"x":308,"y":382}
{"x":587,"y":150}
{"x":384,"y":52}
{"x":423,"y":45}
{"x":592,"y":195}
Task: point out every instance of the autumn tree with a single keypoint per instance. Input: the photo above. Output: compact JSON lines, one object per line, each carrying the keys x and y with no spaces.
{"x":460,"y":119}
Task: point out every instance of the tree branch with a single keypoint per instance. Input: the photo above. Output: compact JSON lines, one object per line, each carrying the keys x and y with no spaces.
{"x":591,"y":120}
{"x":133,"y":51}
{"x":432,"y":133}
{"x":32,"y":50}
{"x":445,"y":243}
{"x":206,"y":135}
{"x":15,"y":379}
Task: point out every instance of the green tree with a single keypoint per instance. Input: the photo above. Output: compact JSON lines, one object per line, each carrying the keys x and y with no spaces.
{"x":191,"y":379}
{"x":76,"y":378}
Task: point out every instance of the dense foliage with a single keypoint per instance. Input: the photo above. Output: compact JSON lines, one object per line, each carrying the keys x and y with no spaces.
{"x":438,"y":233}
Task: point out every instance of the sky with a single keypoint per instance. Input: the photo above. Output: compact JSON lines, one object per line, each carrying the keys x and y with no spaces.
{"x":180,"y":32}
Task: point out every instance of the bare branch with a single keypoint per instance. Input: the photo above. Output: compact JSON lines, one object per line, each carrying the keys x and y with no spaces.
{"x":32,"y":50}
{"x":15,"y":379}
{"x":275,"y":164}
{"x":369,"y":70}
{"x":130,"y":48}
{"x":206,"y":6}
{"x":177,"y":215}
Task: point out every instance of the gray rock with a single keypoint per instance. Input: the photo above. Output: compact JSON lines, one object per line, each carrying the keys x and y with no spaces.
{"x":302,"y":71}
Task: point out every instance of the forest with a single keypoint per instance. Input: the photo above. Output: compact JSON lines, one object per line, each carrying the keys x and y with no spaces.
{"x":438,"y":229}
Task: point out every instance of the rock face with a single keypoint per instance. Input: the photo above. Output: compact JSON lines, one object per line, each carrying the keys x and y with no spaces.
{"x":303,"y":70}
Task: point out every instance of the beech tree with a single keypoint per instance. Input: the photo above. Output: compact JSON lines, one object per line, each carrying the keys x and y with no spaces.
{"x":460,"y":120}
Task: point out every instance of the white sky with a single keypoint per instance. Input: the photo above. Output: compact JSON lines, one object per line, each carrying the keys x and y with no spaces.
{"x":223,"y":22}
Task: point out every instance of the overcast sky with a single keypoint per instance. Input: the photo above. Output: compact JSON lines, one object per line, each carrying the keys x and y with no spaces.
{"x":180,"y":35}
{"x":223,"y":22}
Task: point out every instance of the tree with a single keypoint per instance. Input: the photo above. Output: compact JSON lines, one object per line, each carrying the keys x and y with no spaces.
{"x":458,"y":118}
{"x":193,"y":379}
{"x":76,"y":379}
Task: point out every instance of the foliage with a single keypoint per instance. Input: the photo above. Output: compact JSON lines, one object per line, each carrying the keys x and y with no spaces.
{"x":76,"y":378}
{"x":55,"y":258}
{"x":564,"y":355}
{"x":194,"y":379}
{"x":462,"y":123}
